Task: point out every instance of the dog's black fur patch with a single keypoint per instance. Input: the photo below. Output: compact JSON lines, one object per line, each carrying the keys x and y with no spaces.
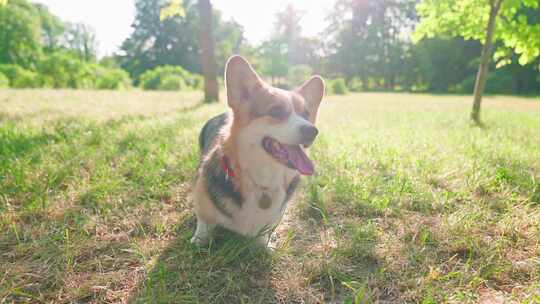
{"x":210,"y":132}
{"x":218,"y":185}
{"x":290,"y":190}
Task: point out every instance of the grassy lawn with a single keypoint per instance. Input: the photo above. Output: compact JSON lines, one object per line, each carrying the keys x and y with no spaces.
{"x":410,"y":204}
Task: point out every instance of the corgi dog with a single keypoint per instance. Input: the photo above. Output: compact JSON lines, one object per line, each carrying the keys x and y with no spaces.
{"x":253,"y":156}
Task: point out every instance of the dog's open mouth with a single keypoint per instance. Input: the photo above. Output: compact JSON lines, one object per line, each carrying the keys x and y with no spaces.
{"x":292,"y":156}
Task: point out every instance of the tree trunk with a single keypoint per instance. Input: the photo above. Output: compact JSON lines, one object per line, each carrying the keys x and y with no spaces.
{"x":365,"y":82}
{"x":208,"y":57}
{"x":481,"y":76}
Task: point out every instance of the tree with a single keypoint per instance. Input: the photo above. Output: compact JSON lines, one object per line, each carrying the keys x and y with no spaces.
{"x":366,"y":40}
{"x":289,"y":31}
{"x":287,"y":48}
{"x":30,"y":33}
{"x":65,"y":69}
{"x":20,"y":34}
{"x":229,"y":40}
{"x":52,"y":28}
{"x":274,"y":60}
{"x":441,"y":65}
{"x":208,"y":56}
{"x":207,"y":42}
{"x":81,"y":38}
{"x":488,"y":21}
{"x":155,"y":42}
{"x":174,"y":40}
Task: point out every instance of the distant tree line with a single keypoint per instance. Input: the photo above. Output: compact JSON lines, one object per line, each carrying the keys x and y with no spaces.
{"x":37,"y":49}
{"x":367,"y":46}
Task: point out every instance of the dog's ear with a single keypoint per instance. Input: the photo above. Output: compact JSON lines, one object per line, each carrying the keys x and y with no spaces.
{"x":313,"y":92}
{"x":240,"y":81}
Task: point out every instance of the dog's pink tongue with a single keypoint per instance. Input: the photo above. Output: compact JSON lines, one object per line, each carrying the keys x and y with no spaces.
{"x":299,"y":159}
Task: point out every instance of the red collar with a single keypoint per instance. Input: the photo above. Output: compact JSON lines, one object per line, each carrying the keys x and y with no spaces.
{"x":225,"y":164}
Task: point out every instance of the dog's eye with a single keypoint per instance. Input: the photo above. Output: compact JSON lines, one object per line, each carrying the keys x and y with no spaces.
{"x":278,"y":112}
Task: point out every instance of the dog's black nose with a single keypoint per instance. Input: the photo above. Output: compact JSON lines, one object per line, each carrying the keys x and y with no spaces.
{"x":309,"y":133}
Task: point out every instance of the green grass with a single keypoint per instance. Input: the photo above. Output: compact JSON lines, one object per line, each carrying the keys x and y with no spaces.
{"x":410,"y":204}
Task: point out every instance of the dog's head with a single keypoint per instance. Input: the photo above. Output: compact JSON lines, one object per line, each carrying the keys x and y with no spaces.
{"x":280,"y":123}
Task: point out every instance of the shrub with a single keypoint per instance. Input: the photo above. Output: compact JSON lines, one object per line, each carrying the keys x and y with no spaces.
{"x":4,"y":81}
{"x":153,"y":79}
{"x":112,"y":79}
{"x":355,"y":85}
{"x":172,"y":83}
{"x":497,"y":83}
{"x":63,"y":69}
{"x":500,"y":83}
{"x":196,"y":82}
{"x":19,"y":77}
{"x":466,"y":86}
{"x":298,"y":74}
{"x":337,"y":86}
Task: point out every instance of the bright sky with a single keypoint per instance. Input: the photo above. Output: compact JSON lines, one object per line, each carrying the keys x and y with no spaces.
{"x":112,"y":19}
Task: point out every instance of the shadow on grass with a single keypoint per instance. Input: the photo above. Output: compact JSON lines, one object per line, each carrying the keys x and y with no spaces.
{"x":14,"y":143}
{"x":231,"y":269}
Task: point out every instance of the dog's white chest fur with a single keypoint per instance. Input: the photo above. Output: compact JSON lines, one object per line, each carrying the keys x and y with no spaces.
{"x":260,"y":212}
{"x":264,"y":201}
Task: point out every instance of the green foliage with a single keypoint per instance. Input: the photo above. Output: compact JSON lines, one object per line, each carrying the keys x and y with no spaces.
{"x":81,"y":39}
{"x":20,"y":33}
{"x":38,"y":50}
{"x":196,"y":82}
{"x":497,"y":83}
{"x":175,"y":40}
{"x":172,"y":83}
{"x":109,"y":62}
{"x":298,"y":74}
{"x":20,"y":77}
{"x":228,"y":35}
{"x":160,"y":79}
{"x":4,"y":81}
{"x":174,"y":8}
{"x":337,"y":86}
{"x":442,"y":64}
{"x":355,"y":85}
{"x":369,"y":49}
{"x":112,"y":79}
{"x":52,"y":28}
{"x":64,"y":69}
{"x":468,"y":19}
{"x":367,"y":44}
{"x":274,"y":60}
